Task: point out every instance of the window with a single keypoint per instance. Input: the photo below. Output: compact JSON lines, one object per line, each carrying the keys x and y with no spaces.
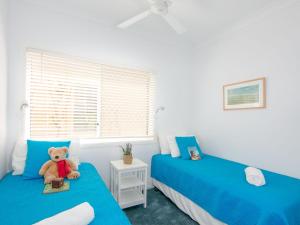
{"x":70,"y":98}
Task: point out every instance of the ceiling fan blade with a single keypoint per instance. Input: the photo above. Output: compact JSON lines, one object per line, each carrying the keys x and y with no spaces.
{"x":174,"y":23}
{"x":134,"y":19}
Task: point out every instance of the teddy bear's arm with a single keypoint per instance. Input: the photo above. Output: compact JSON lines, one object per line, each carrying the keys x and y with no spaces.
{"x":72,"y":165}
{"x":45,"y":167}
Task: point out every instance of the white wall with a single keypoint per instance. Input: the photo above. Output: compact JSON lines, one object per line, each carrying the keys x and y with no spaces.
{"x":266,"y":46}
{"x":3,"y":84}
{"x":35,"y":27}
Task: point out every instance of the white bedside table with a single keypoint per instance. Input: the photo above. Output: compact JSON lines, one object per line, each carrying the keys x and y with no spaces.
{"x":128,"y":183}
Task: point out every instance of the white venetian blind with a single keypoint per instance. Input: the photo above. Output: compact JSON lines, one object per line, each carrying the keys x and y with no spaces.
{"x":126,"y":102}
{"x":69,"y":98}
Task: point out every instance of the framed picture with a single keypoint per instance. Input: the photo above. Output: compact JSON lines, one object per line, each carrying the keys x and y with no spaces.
{"x":245,"y":95}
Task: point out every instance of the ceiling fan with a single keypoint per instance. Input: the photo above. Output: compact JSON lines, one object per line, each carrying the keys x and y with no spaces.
{"x":159,"y":7}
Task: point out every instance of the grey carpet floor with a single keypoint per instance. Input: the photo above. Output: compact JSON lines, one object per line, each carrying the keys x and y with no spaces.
{"x":160,"y":211}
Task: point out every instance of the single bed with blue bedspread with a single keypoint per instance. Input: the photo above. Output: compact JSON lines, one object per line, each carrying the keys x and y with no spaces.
{"x":23,"y":203}
{"x":219,"y":187}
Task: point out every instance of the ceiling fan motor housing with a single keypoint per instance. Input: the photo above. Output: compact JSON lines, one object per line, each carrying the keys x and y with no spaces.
{"x":160,"y":6}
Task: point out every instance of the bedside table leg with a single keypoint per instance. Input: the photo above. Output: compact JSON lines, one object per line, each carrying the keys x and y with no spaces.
{"x":145,"y":191}
{"x":119,"y":182}
{"x":111,"y":183}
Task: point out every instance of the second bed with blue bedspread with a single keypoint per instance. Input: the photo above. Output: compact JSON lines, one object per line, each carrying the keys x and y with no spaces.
{"x":219,"y":186}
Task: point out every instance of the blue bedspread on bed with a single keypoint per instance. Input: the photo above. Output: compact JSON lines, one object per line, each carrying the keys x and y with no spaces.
{"x":22,"y":201}
{"x":219,"y":186}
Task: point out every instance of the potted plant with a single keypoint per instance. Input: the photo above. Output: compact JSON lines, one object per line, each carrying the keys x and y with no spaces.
{"x":127,"y":153}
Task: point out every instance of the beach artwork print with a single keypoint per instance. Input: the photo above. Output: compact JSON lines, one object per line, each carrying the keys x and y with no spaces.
{"x":245,"y":95}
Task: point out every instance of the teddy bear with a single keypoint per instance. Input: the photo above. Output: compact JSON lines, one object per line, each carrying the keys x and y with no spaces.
{"x":59,"y":166}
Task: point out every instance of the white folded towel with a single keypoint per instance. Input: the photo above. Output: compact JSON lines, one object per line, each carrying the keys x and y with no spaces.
{"x":255,"y":176}
{"x":82,"y":214}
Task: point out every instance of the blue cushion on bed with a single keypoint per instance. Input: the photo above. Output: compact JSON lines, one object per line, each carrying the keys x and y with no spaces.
{"x":184,"y":143}
{"x":37,"y":155}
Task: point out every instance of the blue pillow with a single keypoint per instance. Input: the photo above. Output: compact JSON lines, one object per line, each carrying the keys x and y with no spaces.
{"x":37,"y":155}
{"x":184,"y":143}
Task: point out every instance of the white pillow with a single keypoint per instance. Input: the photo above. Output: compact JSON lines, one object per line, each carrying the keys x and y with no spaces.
{"x":164,"y":145}
{"x":19,"y":157}
{"x":173,"y":146}
{"x":74,"y":152}
{"x":20,"y":154}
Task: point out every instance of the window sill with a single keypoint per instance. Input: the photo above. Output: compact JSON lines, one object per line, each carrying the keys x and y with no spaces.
{"x":84,"y":143}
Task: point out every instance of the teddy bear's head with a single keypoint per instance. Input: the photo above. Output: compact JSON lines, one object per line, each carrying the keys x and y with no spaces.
{"x":58,"y":154}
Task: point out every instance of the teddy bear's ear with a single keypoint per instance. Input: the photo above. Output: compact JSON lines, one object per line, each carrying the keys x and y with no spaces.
{"x":65,"y":149}
{"x":50,"y":150}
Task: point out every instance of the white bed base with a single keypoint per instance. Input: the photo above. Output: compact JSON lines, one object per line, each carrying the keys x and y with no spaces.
{"x":187,"y":206}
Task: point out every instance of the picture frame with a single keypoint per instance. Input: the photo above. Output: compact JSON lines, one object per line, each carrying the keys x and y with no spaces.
{"x":249,"y":94}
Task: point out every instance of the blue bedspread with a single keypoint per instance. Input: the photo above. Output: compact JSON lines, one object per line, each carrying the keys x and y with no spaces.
{"x":22,"y":201}
{"x":219,"y":187}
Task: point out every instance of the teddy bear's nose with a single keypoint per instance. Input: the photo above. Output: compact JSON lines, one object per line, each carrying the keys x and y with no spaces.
{"x":56,"y":156}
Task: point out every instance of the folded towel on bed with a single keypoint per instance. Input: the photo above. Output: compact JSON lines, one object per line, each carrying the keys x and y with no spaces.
{"x":255,"y":176}
{"x":82,"y":214}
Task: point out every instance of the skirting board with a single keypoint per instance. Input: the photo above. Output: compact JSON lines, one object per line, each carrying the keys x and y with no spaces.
{"x":187,"y":206}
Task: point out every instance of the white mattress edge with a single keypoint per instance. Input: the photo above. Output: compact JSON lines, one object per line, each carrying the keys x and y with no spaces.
{"x":197,"y":213}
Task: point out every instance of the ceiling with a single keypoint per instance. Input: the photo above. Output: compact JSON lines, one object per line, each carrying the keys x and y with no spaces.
{"x":202,"y":18}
